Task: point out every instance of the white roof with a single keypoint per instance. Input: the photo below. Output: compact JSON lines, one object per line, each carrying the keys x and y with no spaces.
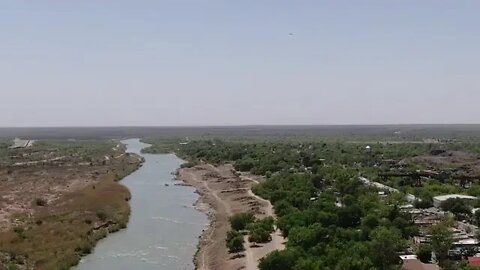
{"x":454,"y":196}
{"x":408,"y":257}
{"x":469,"y":241}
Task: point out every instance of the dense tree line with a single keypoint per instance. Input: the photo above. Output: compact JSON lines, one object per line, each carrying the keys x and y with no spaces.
{"x":343,"y":227}
{"x":331,"y":220}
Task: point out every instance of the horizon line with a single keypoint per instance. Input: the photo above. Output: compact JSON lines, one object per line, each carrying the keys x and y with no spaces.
{"x":243,"y":125}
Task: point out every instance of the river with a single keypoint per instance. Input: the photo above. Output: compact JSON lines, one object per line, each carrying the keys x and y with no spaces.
{"x":164,"y":227}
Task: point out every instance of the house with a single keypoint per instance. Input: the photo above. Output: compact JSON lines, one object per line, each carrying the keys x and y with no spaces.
{"x":438,"y":200}
{"x":414,"y":264}
{"x":19,"y":143}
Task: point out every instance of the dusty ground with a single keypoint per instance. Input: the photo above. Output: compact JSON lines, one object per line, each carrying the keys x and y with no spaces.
{"x":54,"y":205}
{"x":224,"y":193}
{"x":463,"y":163}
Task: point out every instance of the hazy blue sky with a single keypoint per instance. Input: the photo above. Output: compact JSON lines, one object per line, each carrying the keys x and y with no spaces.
{"x":204,"y":62}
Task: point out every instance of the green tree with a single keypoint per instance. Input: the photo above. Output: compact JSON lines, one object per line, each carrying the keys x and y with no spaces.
{"x":240,"y":221}
{"x":476,"y":218}
{"x":280,"y":260}
{"x":259,"y":235}
{"x":235,"y":242}
{"x":424,"y":253}
{"x":457,"y":206}
{"x":385,"y":245}
{"x":442,"y":239}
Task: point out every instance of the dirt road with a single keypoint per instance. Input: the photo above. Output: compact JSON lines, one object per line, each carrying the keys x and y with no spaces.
{"x":222,"y":194}
{"x":254,"y":254}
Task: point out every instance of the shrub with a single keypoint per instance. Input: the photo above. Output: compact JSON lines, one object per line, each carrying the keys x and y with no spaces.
{"x":102,"y":215}
{"x":40,"y":202}
{"x":235,"y":242}
{"x":259,"y":235}
{"x":188,"y":165}
{"x":424,"y":253}
{"x":240,"y":221}
{"x":266,"y":224}
{"x":20,"y":232}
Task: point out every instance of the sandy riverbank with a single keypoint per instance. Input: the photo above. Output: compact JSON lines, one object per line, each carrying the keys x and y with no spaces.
{"x":222,"y":194}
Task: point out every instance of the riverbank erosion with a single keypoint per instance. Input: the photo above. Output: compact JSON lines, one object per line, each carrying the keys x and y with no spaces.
{"x":57,"y":199}
{"x":223,"y":193}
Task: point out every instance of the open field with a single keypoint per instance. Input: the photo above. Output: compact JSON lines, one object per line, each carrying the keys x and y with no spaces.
{"x":57,"y":198}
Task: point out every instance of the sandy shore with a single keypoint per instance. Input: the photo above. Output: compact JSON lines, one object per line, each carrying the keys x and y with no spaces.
{"x":223,"y":193}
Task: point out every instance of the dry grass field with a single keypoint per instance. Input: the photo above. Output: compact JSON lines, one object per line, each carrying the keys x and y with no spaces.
{"x":54,"y":211}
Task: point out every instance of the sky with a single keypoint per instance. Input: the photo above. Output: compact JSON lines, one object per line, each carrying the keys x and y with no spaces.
{"x":249,"y":62}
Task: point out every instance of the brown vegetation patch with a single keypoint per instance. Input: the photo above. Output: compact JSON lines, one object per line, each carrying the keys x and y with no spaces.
{"x":53,"y":214}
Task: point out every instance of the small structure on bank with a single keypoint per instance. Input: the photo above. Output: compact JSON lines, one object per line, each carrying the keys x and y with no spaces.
{"x":438,"y":200}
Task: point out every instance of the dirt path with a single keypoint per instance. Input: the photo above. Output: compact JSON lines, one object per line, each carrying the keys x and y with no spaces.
{"x":222,"y":194}
{"x":277,"y":243}
{"x":208,"y":239}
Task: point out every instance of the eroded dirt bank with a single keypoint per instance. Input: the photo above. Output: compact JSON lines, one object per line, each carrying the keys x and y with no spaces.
{"x":223,"y":192}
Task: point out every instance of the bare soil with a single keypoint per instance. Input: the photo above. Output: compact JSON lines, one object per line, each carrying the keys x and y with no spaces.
{"x":224,"y":192}
{"x":463,"y":162}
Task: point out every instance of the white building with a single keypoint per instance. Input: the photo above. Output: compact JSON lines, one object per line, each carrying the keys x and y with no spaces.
{"x":438,"y":200}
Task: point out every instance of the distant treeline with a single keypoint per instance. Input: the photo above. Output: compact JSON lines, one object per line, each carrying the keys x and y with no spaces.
{"x":363,"y":132}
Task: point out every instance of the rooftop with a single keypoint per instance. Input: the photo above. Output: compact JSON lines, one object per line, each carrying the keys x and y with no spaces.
{"x":418,"y":265}
{"x":408,"y":257}
{"x":454,"y":196}
{"x":474,"y":261}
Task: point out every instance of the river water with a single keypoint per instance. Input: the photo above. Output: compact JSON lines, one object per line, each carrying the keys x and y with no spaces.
{"x":163,"y":229}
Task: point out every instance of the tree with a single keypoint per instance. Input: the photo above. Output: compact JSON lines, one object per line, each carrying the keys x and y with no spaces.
{"x":468,"y":251}
{"x":307,"y":237}
{"x":349,"y":216}
{"x":424,"y":253}
{"x":385,"y":244}
{"x":235,"y":242}
{"x":259,"y":231}
{"x":476,"y":218}
{"x":259,"y":235}
{"x":317,"y":181}
{"x":423,"y":203}
{"x":442,"y":240}
{"x":240,"y":221}
{"x":265,"y":224}
{"x":280,"y":260}
{"x":308,"y":264}
{"x":457,"y":206}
